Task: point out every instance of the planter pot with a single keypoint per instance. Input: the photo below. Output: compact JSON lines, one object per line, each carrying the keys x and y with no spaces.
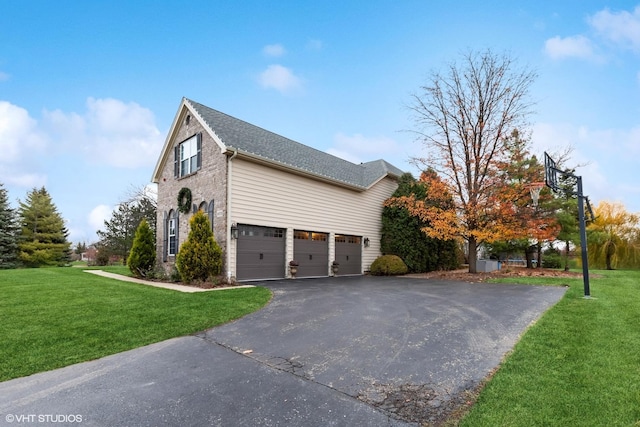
{"x":334,"y":269}
{"x":293,"y":270}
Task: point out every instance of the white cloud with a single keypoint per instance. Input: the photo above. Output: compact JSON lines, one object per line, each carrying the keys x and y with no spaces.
{"x":110,"y":131}
{"x":98,"y":216}
{"x":622,"y":27}
{"x":608,"y":158}
{"x":569,"y":47}
{"x":22,"y":143}
{"x":4,"y":76}
{"x":19,"y":133}
{"x":358,"y":148}
{"x":274,"y":50}
{"x":151,"y":190}
{"x":280,"y":78}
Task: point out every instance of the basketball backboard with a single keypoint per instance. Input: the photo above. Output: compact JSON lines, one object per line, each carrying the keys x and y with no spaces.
{"x":550,"y":173}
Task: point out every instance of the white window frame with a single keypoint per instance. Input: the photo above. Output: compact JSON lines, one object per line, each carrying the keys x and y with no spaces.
{"x":188,"y":156}
{"x":172,"y":236}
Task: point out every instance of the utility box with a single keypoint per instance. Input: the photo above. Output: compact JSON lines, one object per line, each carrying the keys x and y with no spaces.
{"x":487,"y":265}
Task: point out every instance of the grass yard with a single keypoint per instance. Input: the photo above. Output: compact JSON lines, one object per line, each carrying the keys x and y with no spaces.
{"x":53,"y":317}
{"x":578,"y":366}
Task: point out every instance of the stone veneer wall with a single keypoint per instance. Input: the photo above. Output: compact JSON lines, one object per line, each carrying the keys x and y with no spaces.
{"x":208,"y":183}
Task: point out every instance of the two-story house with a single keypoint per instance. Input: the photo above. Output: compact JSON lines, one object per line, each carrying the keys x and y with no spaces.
{"x":269,"y":199}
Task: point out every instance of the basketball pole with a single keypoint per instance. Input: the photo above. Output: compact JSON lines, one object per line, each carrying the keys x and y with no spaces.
{"x":550,"y":179}
{"x":583,"y":239}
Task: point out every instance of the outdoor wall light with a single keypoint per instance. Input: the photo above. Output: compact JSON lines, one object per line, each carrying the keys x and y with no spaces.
{"x":366,"y":242}
{"x":234,"y":231}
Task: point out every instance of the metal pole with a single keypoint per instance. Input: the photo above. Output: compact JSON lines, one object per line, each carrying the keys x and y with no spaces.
{"x":583,"y":239}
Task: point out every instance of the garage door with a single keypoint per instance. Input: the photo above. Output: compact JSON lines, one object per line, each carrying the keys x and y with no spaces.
{"x":260,"y":253}
{"x":311,"y":250}
{"x":349,"y":254}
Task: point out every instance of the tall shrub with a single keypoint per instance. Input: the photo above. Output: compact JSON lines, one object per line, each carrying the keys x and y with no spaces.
{"x":142,"y":256}
{"x":402,"y":234}
{"x":199,"y":257}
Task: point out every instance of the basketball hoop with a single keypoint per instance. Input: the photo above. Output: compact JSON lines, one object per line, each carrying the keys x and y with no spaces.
{"x":534,"y":190}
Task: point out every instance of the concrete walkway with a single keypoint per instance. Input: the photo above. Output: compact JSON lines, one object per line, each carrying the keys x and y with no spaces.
{"x":164,"y":285}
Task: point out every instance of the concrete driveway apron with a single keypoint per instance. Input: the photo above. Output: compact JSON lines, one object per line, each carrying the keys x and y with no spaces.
{"x":334,"y":351}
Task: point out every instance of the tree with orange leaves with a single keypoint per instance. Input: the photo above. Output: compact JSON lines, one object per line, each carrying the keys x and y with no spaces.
{"x":464,"y":118}
{"x":531,"y":223}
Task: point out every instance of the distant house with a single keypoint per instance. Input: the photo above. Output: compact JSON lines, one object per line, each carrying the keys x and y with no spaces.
{"x":270,"y":199}
{"x":90,"y":254}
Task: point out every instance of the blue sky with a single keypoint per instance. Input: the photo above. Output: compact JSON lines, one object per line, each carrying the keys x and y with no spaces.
{"x":88,"y":90}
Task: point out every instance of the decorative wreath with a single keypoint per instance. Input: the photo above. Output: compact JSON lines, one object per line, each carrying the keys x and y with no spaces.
{"x":184,"y":200}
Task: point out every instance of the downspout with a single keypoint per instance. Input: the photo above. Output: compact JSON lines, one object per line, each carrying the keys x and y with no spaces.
{"x":229,"y":163}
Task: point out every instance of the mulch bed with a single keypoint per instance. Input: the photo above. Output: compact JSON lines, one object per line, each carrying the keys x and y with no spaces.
{"x":463,"y":275}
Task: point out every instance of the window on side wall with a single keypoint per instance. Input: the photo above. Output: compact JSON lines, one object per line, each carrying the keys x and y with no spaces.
{"x":188,"y":156}
{"x":172,"y":241}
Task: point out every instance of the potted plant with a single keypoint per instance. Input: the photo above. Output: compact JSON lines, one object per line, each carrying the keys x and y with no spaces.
{"x":334,"y":267}
{"x":293,"y":268}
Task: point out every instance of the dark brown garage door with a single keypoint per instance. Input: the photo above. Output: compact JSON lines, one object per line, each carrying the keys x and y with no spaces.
{"x":348,"y":254}
{"x":260,"y":253}
{"x":311,"y":250}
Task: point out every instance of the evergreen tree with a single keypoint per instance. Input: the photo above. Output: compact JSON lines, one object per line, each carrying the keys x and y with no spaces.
{"x":402,"y":233}
{"x":142,"y":257}
{"x":8,"y":232}
{"x":567,"y":215}
{"x":43,"y":236}
{"x":199,"y":257}
{"x":80,"y":248}
{"x":119,"y":231}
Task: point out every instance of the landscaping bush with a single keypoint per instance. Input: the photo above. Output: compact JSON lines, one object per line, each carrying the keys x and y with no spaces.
{"x":200,"y":257}
{"x":388,"y":265}
{"x":552,"y":260}
{"x":142,"y":257}
{"x":402,"y":234}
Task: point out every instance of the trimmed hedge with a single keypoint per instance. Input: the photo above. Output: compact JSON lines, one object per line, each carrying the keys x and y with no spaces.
{"x":388,"y":265}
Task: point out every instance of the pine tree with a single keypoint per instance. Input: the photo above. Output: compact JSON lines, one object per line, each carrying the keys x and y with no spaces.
{"x":43,"y":237}
{"x":142,"y":257}
{"x":119,"y":231}
{"x":199,"y":257}
{"x":8,"y":232}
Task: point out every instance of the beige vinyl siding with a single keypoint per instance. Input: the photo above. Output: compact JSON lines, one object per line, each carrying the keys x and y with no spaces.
{"x":272,"y":197}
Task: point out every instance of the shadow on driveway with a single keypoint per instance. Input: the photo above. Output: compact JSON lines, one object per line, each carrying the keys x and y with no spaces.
{"x":333,"y":351}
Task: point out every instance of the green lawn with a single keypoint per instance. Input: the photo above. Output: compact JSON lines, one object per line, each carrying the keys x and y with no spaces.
{"x":53,"y":317}
{"x":578,"y":366}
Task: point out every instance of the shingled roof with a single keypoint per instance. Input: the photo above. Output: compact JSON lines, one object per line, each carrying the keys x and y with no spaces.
{"x":262,"y":144}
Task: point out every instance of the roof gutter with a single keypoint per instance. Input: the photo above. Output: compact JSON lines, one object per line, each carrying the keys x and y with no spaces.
{"x":234,"y":153}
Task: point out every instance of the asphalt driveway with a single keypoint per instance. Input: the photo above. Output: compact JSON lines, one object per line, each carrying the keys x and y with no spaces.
{"x":334,"y":351}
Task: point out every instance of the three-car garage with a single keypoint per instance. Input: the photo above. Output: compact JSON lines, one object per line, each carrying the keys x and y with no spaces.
{"x":261,"y":252}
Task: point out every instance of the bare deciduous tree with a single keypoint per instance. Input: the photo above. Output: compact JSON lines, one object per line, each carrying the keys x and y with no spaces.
{"x":464,"y":117}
